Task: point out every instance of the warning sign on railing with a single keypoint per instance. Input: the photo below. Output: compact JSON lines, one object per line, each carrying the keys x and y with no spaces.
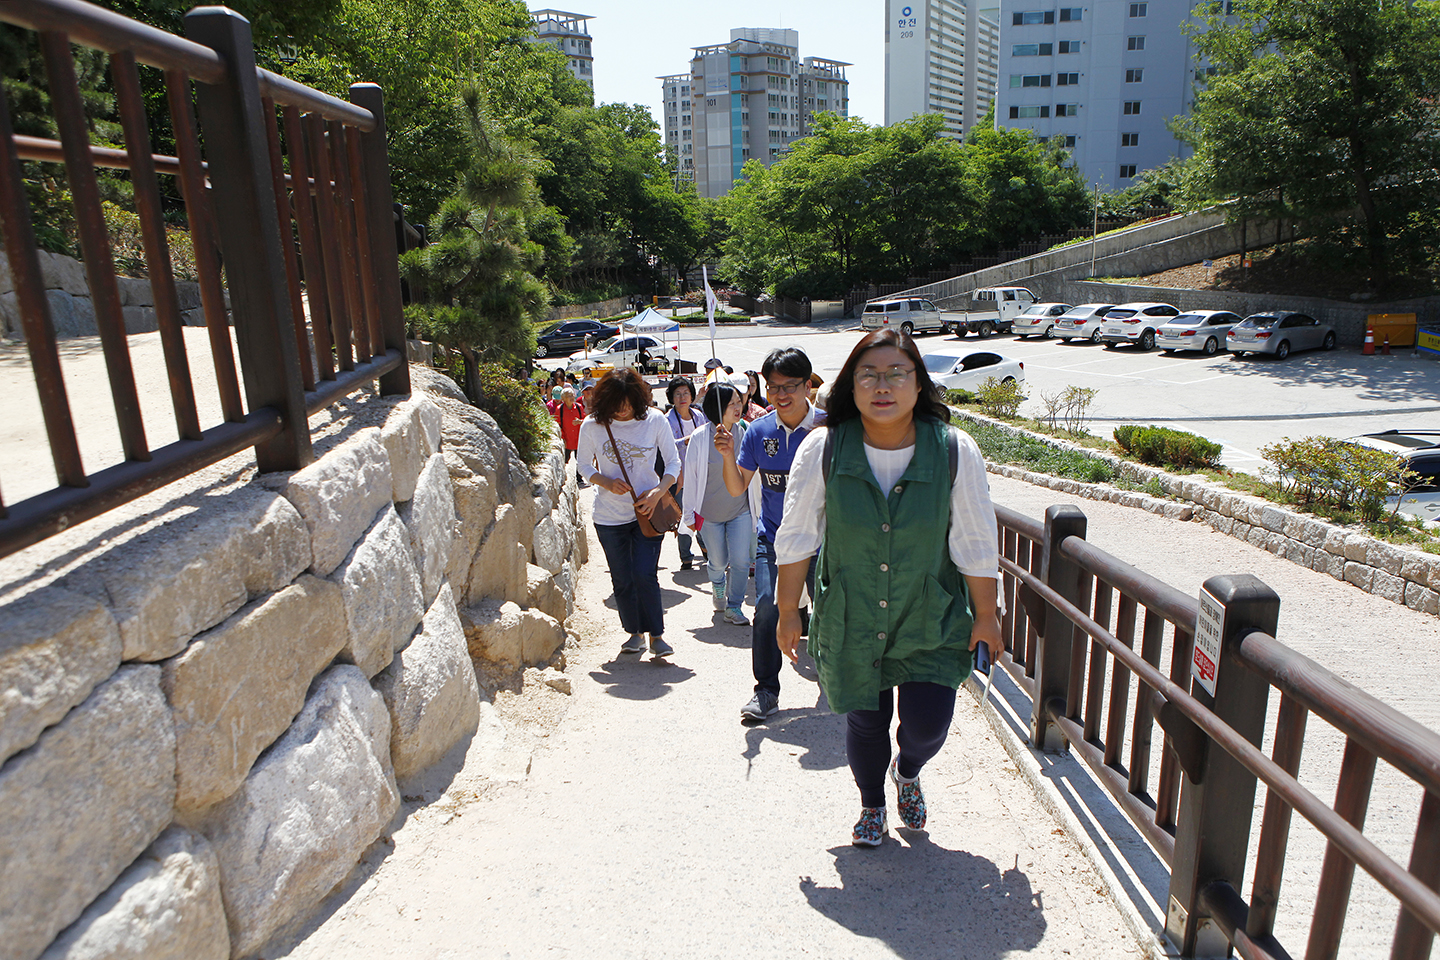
{"x":1206,"y":660}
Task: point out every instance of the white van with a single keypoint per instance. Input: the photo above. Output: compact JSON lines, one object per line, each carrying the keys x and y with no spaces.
{"x":908,"y":315}
{"x":1005,"y":302}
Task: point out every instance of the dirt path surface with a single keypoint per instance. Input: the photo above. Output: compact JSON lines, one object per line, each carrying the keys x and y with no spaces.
{"x":653,"y":824}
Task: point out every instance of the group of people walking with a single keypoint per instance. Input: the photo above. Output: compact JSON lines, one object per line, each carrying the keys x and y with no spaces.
{"x":874,"y":508}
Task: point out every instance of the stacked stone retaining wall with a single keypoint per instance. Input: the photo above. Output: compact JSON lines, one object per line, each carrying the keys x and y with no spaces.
{"x":1404,"y":576}
{"x":204,"y":726}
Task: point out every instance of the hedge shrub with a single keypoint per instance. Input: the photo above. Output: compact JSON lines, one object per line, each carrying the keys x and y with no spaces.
{"x":1163,"y":447}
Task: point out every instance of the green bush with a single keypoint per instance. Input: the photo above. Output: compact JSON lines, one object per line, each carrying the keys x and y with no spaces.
{"x":959,"y":398}
{"x":1001,"y":446}
{"x":516,"y":407}
{"x":1323,"y":470}
{"x":1000,"y":398}
{"x":1163,"y":447}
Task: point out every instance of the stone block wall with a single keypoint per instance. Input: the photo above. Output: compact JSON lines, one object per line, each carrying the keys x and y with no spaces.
{"x":73,"y":312}
{"x":1407,"y":577}
{"x":204,"y":727}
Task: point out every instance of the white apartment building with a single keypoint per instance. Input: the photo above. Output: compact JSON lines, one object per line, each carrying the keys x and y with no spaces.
{"x":1106,"y":77}
{"x":749,"y":98}
{"x":941,"y":56}
{"x":570,"y":34}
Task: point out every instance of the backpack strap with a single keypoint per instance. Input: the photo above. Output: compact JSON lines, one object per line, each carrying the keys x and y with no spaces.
{"x":827,"y":455}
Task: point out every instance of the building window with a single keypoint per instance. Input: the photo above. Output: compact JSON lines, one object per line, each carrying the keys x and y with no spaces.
{"x":1035,"y":16}
{"x":1134,"y":43}
{"x":1129,"y":139}
{"x":1029,"y":113}
{"x":1070,"y":141}
{"x":1138,"y":9}
{"x":1069,"y":46}
{"x":1127,"y":171}
{"x":1031,"y":49}
{"x":745,"y":117}
{"x":685,"y":135}
{"x":1067,"y":109}
{"x":1033,"y":80}
{"x":1132,"y":108}
{"x":1067,"y":79}
{"x":1071,"y":14}
{"x":1134,"y":76}
{"x":1205,"y":73}
{"x":685,"y":118}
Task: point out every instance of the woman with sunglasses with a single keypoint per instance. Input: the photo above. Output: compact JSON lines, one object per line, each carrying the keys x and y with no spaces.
{"x":906,"y":585}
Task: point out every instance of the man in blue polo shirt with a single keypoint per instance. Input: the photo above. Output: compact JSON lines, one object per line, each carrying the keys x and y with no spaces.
{"x":768,"y":448}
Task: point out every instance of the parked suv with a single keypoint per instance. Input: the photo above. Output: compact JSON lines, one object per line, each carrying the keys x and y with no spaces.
{"x":909,"y":315}
{"x":1135,"y":323}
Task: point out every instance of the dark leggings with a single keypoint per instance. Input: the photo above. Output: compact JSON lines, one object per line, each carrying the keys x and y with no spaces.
{"x":925,"y":713}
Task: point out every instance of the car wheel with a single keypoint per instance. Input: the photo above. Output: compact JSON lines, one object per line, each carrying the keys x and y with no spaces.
{"x":541,"y":350}
{"x":907,"y":328}
{"x":1147,"y":340}
{"x":1064,"y":339}
{"x":1329,"y":343}
{"x":1049,"y":333}
{"x":1211,"y":347}
{"x":1167,"y":351}
{"x":1095,"y":336}
{"x":960,"y":332}
{"x":986,"y":329}
{"x":1237,"y":353}
{"x":1109,"y":345}
{"x":1008,"y":380}
{"x":1282,"y":350}
{"x":1022,"y":336}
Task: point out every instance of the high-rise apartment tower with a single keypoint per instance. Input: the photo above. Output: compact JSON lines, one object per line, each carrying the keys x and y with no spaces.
{"x":940,"y":57}
{"x":1106,"y":78}
{"x":746,"y":99}
{"x":568,"y":33}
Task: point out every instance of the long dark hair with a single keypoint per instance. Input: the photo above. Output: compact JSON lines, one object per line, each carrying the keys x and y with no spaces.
{"x":930,"y":404}
{"x":617,"y":388}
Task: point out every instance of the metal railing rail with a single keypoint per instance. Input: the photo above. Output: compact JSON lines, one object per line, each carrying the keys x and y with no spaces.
{"x":326,"y":180}
{"x":1052,"y":622}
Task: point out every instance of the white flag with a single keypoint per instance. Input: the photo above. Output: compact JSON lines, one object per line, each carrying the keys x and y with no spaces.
{"x":710,"y":301}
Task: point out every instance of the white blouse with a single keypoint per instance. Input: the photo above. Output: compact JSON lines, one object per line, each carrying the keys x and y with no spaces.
{"x":638,"y":441}
{"x":973,"y":543}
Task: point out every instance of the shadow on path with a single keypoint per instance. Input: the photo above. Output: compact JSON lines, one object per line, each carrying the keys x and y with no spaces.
{"x":816,"y":730}
{"x":924,"y":901}
{"x":640,"y":678}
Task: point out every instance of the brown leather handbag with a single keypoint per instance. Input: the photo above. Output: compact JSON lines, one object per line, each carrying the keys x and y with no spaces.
{"x":665,"y":518}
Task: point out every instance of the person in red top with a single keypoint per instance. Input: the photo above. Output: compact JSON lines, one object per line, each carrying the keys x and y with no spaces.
{"x":568,"y":413}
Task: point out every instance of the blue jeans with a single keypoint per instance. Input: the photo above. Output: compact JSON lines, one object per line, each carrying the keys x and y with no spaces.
{"x":730,"y":544}
{"x":686,"y":555}
{"x":765,"y":657}
{"x":634,"y":562}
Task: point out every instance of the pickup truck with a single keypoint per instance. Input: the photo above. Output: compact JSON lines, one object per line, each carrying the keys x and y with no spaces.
{"x":1006,"y":303}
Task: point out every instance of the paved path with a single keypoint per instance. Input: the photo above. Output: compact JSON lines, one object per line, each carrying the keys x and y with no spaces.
{"x":653,"y":824}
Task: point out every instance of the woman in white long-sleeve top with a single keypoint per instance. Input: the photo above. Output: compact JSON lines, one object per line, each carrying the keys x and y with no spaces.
{"x":622,"y":425}
{"x":729,"y":521}
{"x":898,"y":504}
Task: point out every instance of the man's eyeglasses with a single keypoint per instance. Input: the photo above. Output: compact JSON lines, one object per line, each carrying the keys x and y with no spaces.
{"x":895,"y":377}
{"x":789,"y":389}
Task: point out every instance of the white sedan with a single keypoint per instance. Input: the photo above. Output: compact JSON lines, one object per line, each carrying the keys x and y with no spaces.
{"x":1038,"y":319}
{"x":620,"y":352}
{"x":957,"y":370}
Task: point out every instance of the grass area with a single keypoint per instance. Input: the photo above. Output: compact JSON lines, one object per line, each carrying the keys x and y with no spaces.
{"x":1034,"y":454}
{"x":1105,"y":233}
{"x":721,"y":316}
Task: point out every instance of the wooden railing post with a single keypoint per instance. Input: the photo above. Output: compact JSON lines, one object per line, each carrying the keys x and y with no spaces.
{"x":383,"y":253}
{"x":1053,"y":658}
{"x":236,"y":147}
{"x":1217,"y":796}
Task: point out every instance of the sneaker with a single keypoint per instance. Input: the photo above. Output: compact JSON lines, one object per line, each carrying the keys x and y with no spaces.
{"x":718,"y":596}
{"x":870,"y":828}
{"x":687,"y":565}
{"x":912,"y":800}
{"x":636,"y":644}
{"x":659,"y":648}
{"x":764,"y":704}
{"x":736,"y":616}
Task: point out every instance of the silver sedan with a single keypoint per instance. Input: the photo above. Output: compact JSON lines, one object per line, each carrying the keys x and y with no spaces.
{"x":1082,"y":322}
{"x":1202,"y":330}
{"x":1279,"y":332}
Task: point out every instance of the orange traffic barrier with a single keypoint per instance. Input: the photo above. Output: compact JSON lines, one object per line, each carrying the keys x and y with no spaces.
{"x":1369,"y":348}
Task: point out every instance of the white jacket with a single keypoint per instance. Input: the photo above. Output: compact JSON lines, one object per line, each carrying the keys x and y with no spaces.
{"x":697,"y":472}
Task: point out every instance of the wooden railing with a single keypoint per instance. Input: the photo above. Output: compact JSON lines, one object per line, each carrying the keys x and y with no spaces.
{"x":1070,"y":628}
{"x":326,"y":181}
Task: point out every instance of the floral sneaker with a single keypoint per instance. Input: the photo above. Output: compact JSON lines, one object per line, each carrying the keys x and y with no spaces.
{"x":912,"y":800}
{"x":870,"y":828}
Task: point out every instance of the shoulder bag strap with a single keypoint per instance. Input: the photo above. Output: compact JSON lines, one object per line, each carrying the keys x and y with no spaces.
{"x":615,"y":448}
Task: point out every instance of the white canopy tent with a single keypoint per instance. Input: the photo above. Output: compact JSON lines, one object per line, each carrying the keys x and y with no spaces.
{"x":650,"y":321}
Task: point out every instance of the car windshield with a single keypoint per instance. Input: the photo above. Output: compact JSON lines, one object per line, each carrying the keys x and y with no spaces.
{"x":939,"y":363}
{"x":1187,"y":320}
{"x":607,"y":344}
{"x":1261,"y":320}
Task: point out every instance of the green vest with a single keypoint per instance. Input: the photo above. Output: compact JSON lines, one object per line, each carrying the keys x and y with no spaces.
{"x":890,"y":604}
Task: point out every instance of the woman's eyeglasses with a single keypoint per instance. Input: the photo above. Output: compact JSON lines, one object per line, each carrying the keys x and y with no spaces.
{"x":895,"y":377}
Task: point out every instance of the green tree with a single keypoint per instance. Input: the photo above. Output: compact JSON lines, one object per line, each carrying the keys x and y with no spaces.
{"x":1318,"y":110}
{"x":476,"y":287}
{"x":1027,"y":188}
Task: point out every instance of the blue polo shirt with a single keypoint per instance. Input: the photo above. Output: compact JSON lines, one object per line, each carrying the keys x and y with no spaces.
{"x":768,"y":449}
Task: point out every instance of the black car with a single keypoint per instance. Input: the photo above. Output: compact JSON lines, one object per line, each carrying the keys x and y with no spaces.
{"x":569,"y":335}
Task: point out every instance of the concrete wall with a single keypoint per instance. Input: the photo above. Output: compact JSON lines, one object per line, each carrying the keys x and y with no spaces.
{"x":209,"y":703}
{"x":71,"y":309}
{"x":601,"y":308}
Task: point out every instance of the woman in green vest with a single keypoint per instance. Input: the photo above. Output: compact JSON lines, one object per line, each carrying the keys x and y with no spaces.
{"x":906,"y":585}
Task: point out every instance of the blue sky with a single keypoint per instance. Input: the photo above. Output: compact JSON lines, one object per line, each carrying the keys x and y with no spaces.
{"x":634,"y":42}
